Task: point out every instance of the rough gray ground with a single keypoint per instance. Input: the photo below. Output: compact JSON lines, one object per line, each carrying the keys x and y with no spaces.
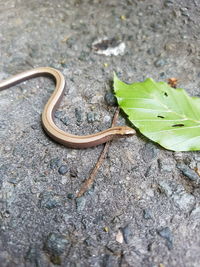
{"x":143,"y":209}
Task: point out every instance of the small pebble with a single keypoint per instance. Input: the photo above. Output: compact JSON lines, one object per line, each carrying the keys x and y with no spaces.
{"x":61,"y":116}
{"x":79,"y":115}
{"x":160,"y":62}
{"x":55,"y":245}
{"x":166,"y":165}
{"x":80,"y":203}
{"x":119,"y":237}
{"x":35,"y":126}
{"x":54,"y":163}
{"x":109,"y":47}
{"x":189,"y":173}
{"x":167,"y":235}
{"x":63,"y":169}
{"x":169,"y":3}
{"x":91,"y":117}
{"x":162,"y":75}
{"x":70,"y":196}
{"x":156,"y":26}
{"x":184,"y":200}
{"x":49,"y":200}
{"x":127,"y":234}
{"x":110,"y":99}
{"x":184,"y":11}
{"x":165,"y":188}
{"x":151,"y":51}
{"x":58,"y":114}
{"x":106,"y":119}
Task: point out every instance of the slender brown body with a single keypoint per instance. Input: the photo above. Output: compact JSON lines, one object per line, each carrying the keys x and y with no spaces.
{"x":50,"y":127}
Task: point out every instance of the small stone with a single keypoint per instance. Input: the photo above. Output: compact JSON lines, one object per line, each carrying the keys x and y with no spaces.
{"x":166,"y":165}
{"x":109,"y":47}
{"x":58,"y":114}
{"x":127,"y":234}
{"x":147,"y":214}
{"x":167,"y":235}
{"x":160,"y":62}
{"x":184,"y":201}
{"x":156,"y":26}
{"x":70,"y":196}
{"x":49,"y":200}
{"x":106,"y":119}
{"x":169,"y":3}
{"x":151,"y":51}
{"x":78,"y":114}
{"x":184,"y":11}
{"x":162,"y":75}
{"x":91,"y":117}
{"x":55,"y":245}
{"x":54,"y":163}
{"x":80,"y":203}
{"x":63,"y":169}
{"x":110,"y":99}
{"x":119,"y":237}
{"x":189,"y":173}
{"x":61,"y":116}
{"x":165,"y":188}
{"x":35,"y":126}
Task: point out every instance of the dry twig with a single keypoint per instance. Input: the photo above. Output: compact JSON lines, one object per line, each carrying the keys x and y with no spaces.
{"x":90,"y":180}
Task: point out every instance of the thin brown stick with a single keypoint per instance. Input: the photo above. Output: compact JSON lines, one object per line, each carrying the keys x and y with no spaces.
{"x":90,"y":180}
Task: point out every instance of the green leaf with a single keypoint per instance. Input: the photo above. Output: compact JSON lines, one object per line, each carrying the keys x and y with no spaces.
{"x":165,"y":115}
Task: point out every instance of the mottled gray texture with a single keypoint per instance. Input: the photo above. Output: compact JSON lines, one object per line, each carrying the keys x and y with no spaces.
{"x":139,"y":188}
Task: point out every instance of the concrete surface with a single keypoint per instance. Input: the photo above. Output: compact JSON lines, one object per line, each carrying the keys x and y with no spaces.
{"x":143,"y":209}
